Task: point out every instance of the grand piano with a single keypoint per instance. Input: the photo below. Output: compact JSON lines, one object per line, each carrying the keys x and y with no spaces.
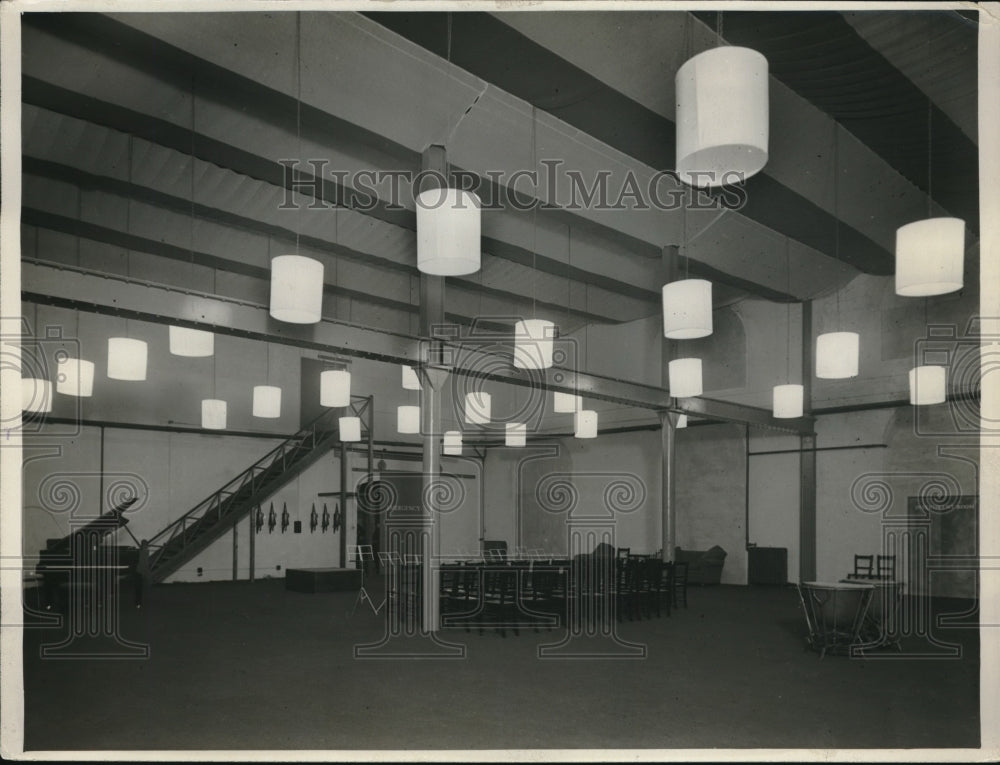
{"x":82,"y":563}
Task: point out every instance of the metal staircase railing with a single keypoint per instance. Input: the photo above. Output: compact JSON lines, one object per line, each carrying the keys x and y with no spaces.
{"x":196,"y":529}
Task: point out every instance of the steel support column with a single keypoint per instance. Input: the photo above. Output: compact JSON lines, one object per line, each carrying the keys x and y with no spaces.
{"x":343,"y":505}
{"x":669,"y":270}
{"x":807,"y":460}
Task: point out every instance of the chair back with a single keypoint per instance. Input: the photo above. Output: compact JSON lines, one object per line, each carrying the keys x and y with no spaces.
{"x":886,"y":567}
{"x":863,"y":565}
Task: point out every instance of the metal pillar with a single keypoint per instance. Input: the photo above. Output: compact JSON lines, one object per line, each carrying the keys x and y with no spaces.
{"x":253,"y":542}
{"x":807,"y":460}
{"x":343,"y":505}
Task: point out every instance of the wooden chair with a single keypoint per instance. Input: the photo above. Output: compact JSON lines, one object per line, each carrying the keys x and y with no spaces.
{"x":863,"y":565}
{"x":679,"y":591}
{"x":885,"y":567}
{"x":650,"y":585}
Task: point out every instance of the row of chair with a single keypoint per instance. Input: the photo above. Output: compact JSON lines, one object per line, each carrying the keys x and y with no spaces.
{"x":882,"y":567}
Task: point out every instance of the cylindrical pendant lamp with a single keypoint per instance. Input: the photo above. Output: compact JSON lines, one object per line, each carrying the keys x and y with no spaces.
{"x":586,"y":424}
{"x":448,"y":232}
{"x":191,"y":342}
{"x":565,"y":403}
{"x":687,"y":309}
{"x":517,"y":434}
{"x":296,"y":289}
{"x":837,"y":355}
{"x":928,"y":385}
{"x":126,"y":359}
{"x":477,"y":407}
{"x":266,"y":401}
{"x":335,"y":387}
{"x":930,"y":257}
{"x":350,"y":428}
{"x":452,"y":442}
{"x":533,"y":341}
{"x":75,"y":377}
{"x":36,"y":395}
{"x":685,"y":377}
{"x":408,"y":419}
{"x":722,"y":116}
{"x":410,"y":379}
{"x":787,"y":401}
{"x":213,"y":414}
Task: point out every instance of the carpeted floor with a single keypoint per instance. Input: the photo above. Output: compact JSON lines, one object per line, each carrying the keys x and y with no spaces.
{"x":253,"y":666}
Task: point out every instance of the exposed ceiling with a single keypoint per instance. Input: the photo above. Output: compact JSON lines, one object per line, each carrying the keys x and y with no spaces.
{"x":188,"y":115}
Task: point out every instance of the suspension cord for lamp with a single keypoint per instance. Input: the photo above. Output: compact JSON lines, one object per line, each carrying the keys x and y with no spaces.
{"x":448,"y":48}
{"x":191,"y":180}
{"x":298,"y":112}
{"x":788,"y":310}
{"x":930,"y":159}
{"x":534,"y":210}
{"x":836,"y":208}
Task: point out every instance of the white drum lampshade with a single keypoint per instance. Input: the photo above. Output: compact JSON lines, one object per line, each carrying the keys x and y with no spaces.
{"x":682,"y":421}
{"x":410,"y":379}
{"x":36,"y":395}
{"x":517,"y":434}
{"x":533,"y":341}
{"x":586,"y":424}
{"x":335,"y":387}
{"x":687,"y":309}
{"x":565,"y":403}
{"x":266,"y":401}
{"x":191,"y":342}
{"x":408,"y":419}
{"x":837,"y":355}
{"x":787,"y":401}
{"x":448,"y":232}
{"x":452,"y":442}
{"x":296,"y":289}
{"x":685,"y":377}
{"x":126,"y":359}
{"x":928,"y":385}
{"x":722,"y":116}
{"x":75,"y":377}
{"x":350,"y":428}
{"x":213,"y":414}
{"x":477,"y":407}
{"x":930,"y":257}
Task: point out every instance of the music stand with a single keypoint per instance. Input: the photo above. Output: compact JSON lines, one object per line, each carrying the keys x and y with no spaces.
{"x":362,"y":553}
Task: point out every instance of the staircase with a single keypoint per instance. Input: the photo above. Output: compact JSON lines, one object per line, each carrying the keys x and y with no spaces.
{"x":211,"y":518}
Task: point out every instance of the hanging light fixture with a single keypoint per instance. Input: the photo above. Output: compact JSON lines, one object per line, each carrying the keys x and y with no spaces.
{"x":687,"y":309}
{"x":722,"y":115}
{"x":184,"y":341}
{"x":533,"y":341}
{"x":477,"y":407}
{"x":837,"y":353}
{"x":930,"y":254}
{"x":266,"y":401}
{"x":586,"y":424}
{"x":296,"y":289}
{"x":410,"y":379}
{"x":191,"y":342}
{"x":408,"y":419}
{"x":213,"y":414}
{"x":126,"y":359}
{"x":928,"y":385}
{"x":36,"y":395}
{"x":297,"y":281}
{"x":452,"y":442}
{"x":350,"y":428}
{"x":267,"y":398}
{"x":516,"y":434}
{"x":787,"y":400}
{"x":565,"y":403}
{"x":75,"y":377}
{"x":682,"y":421}
{"x":335,"y":387}
{"x":684,"y":377}
{"x":448,"y":232}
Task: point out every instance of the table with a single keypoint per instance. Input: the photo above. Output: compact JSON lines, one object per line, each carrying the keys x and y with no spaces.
{"x":878,"y":628}
{"x":835,"y":613}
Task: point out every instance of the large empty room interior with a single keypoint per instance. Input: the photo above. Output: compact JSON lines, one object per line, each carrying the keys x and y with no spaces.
{"x":390,"y":380}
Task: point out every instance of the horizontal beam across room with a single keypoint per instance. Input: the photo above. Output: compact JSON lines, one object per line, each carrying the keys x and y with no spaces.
{"x":79,"y":289}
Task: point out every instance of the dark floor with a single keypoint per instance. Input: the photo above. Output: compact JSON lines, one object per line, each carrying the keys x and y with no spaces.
{"x":252,"y":666}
